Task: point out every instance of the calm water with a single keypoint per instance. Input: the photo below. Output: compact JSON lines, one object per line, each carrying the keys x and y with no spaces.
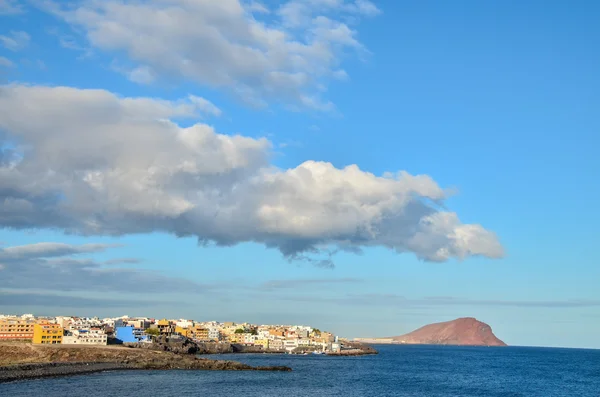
{"x":396,"y":371}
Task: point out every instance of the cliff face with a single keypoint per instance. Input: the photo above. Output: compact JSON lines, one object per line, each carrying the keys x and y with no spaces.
{"x":462,"y":331}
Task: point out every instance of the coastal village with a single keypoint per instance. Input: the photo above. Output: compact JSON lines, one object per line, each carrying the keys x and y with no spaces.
{"x":69,"y":330}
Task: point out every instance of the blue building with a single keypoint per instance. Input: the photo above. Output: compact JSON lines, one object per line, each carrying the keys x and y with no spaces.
{"x":130,"y":334}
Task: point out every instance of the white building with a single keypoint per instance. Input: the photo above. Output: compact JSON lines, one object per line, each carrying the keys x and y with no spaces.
{"x":304,"y":342}
{"x":85,"y":337}
{"x":84,"y":323}
{"x":290,"y":344}
{"x":214,"y":334}
{"x":249,"y":338}
{"x":184,"y":323}
{"x":276,"y":344}
{"x":264,"y":334}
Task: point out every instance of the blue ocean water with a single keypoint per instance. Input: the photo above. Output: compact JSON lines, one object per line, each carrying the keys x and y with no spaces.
{"x":416,"y":371}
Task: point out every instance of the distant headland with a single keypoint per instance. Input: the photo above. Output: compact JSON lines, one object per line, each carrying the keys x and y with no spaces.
{"x":465,"y":331}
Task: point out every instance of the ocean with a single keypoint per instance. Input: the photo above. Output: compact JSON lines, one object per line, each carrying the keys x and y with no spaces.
{"x":415,"y":371}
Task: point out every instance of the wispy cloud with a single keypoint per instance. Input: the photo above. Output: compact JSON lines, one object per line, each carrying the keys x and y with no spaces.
{"x":10,"y":7}
{"x":53,"y":267}
{"x":299,"y":283}
{"x":380,"y":299}
{"x":15,"y":40}
{"x":118,"y":261}
{"x":63,"y":301}
{"x":47,"y":249}
{"x":7,"y":63}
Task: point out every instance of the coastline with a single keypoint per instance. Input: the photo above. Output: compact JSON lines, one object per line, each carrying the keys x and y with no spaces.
{"x":27,"y":361}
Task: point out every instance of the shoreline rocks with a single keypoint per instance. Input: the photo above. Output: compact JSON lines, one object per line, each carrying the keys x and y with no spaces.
{"x":18,"y":372}
{"x":28,"y":361}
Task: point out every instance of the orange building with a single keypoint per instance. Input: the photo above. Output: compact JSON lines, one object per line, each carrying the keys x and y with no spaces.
{"x":16,"y":328}
{"x":200,"y":333}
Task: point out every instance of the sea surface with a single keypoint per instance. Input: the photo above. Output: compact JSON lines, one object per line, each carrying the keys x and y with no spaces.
{"x":415,"y":371}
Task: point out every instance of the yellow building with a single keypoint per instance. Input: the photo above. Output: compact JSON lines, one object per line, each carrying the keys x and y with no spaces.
{"x":187,"y":332}
{"x":16,"y":328}
{"x":237,"y":338}
{"x":47,"y":334}
{"x":262,"y":342}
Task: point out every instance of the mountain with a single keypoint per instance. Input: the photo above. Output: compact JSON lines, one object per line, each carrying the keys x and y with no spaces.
{"x":462,"y":331}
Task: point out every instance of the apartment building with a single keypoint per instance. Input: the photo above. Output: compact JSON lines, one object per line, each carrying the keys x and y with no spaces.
{"x":201,"y":333}
{"x":16,"y":328}
{"x":47,"y":333}
{"x":93,"y":336}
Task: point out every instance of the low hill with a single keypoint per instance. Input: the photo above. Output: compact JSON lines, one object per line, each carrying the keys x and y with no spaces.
{"x":462,"y":331}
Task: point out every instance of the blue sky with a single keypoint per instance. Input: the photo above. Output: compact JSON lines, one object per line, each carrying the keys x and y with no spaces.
{"x":113,"y":162}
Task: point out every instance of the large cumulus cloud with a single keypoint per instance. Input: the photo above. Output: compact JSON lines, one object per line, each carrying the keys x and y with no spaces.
{"x":90,"y":162}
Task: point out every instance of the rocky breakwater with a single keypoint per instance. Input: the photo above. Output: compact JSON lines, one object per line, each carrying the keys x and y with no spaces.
{"x":28,"y":361}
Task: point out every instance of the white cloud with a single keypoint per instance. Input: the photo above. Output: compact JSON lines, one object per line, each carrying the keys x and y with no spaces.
{"x":90,"y":162}
{"x":205,"y":105}
{"x":5,"y":62}
{"x":10,"y":7}
{"x":141,"y":75}
{"x":262,"y":57}
{"x":15,"y":41}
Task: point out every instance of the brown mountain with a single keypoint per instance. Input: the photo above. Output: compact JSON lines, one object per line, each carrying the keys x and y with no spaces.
{"x":462,"y":331}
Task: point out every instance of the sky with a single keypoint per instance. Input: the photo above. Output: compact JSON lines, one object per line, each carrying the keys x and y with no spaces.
{"x":365,"y":167}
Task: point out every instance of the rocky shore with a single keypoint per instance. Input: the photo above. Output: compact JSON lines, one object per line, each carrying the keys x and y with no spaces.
{"x":26,"y":361}
{"x":16,"y":372}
